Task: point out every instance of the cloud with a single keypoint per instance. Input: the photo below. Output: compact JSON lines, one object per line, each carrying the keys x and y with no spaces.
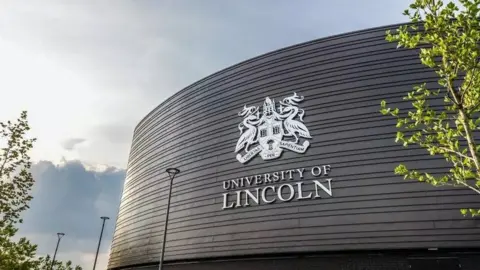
{"x":71,"y":198}
{"x":121,"y":60}
{"x":114,"y":133}
{"x":71,"y":143}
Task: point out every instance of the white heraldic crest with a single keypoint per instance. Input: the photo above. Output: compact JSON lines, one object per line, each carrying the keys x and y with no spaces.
{"x":265,"y":132}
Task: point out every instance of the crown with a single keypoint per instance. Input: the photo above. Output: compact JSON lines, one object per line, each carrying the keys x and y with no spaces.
{"x":268,"y":107}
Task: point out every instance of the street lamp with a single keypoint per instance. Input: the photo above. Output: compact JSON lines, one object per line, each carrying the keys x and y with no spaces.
{"x":99,"y":241}
{"x":59,"y":235}
{"x":171,"y":172}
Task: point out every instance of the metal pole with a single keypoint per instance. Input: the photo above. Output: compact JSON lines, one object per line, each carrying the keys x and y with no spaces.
{"x":59,"y":235}
{"x":99,"y":241}
{"x":171,"y":172}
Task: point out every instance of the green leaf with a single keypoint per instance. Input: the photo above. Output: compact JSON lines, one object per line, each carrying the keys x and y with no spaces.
{"x":447,"y":44}
{"x":16,"y":182}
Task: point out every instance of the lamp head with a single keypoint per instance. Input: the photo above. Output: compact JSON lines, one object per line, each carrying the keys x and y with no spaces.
{"x":104,"y":218}
{"x":172,"y":171}
{"x":60,"y":234}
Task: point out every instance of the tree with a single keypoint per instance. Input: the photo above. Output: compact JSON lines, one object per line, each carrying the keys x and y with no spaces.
{"x":444,"y":121}
{"x":46,"y":262}
{"x":16,"y":182}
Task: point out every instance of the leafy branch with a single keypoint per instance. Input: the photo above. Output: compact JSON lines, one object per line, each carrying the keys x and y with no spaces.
{"x":16,"y":182}
{"x":448,"y":40}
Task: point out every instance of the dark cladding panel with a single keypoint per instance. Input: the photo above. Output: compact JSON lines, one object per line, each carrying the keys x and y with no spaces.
{"x":343,"y":79}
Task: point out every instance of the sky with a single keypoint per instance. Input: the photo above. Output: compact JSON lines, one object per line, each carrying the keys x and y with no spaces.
{"x":87,"y":71}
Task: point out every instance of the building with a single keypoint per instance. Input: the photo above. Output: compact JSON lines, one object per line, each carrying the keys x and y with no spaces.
{"x":313,"y":194}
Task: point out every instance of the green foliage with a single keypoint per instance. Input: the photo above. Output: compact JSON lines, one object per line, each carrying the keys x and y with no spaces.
{"x":16,"y":182}
{"x":448,"y":40}
{"x":46,"y":262}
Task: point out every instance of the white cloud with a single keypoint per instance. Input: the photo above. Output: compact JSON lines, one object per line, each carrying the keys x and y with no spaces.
{"x":84,"y":66}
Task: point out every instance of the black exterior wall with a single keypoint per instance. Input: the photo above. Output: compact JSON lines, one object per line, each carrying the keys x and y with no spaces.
{"x":371,"y":213}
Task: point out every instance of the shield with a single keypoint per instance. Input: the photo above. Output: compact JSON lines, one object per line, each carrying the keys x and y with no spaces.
{"x":270,"y":134}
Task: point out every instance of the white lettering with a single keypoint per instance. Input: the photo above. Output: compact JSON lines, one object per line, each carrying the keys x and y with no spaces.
{"x":258,"y":179}
{"x":249,"y":180}
{"x":300,"y":171}
{"x":226,"y":185}
{"x":318,"y":184}
{"x":241,"y":182}
{"x":239,"y":198}
{"x":235,"y":183}
{"x":326,"y":169}
{"x":267,"y":178}
{"x":318,"y":169}
{"x":225,"y":202}
{"x":282,"y":192}
{"x":250,"y":195}
{"x":292,"y":192}
{"x":290,"y":173}
{"x":264,"y":194}
{"x":300,"y":192}
{"x":275,"y":177}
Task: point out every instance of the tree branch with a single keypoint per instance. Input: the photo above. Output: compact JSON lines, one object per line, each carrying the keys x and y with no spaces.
{"x":470,"y":187}
{"x":455,"y":152}
{"x":470,"y":139}
{"x":5,"y":161}
{"x":472,"y":79}
{"x":476,"y":107}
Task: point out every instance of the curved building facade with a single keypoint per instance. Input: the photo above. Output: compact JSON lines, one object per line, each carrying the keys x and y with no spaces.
{"x":286,"y":163}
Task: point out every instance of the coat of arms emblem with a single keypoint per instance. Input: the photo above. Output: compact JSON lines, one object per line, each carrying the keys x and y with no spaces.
{"x":265,"y":132}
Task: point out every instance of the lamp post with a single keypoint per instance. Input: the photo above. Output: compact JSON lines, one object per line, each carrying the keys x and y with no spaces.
{"x":171,"y":172}
{"x":99,"y":241}
{"x":59,"y":236}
